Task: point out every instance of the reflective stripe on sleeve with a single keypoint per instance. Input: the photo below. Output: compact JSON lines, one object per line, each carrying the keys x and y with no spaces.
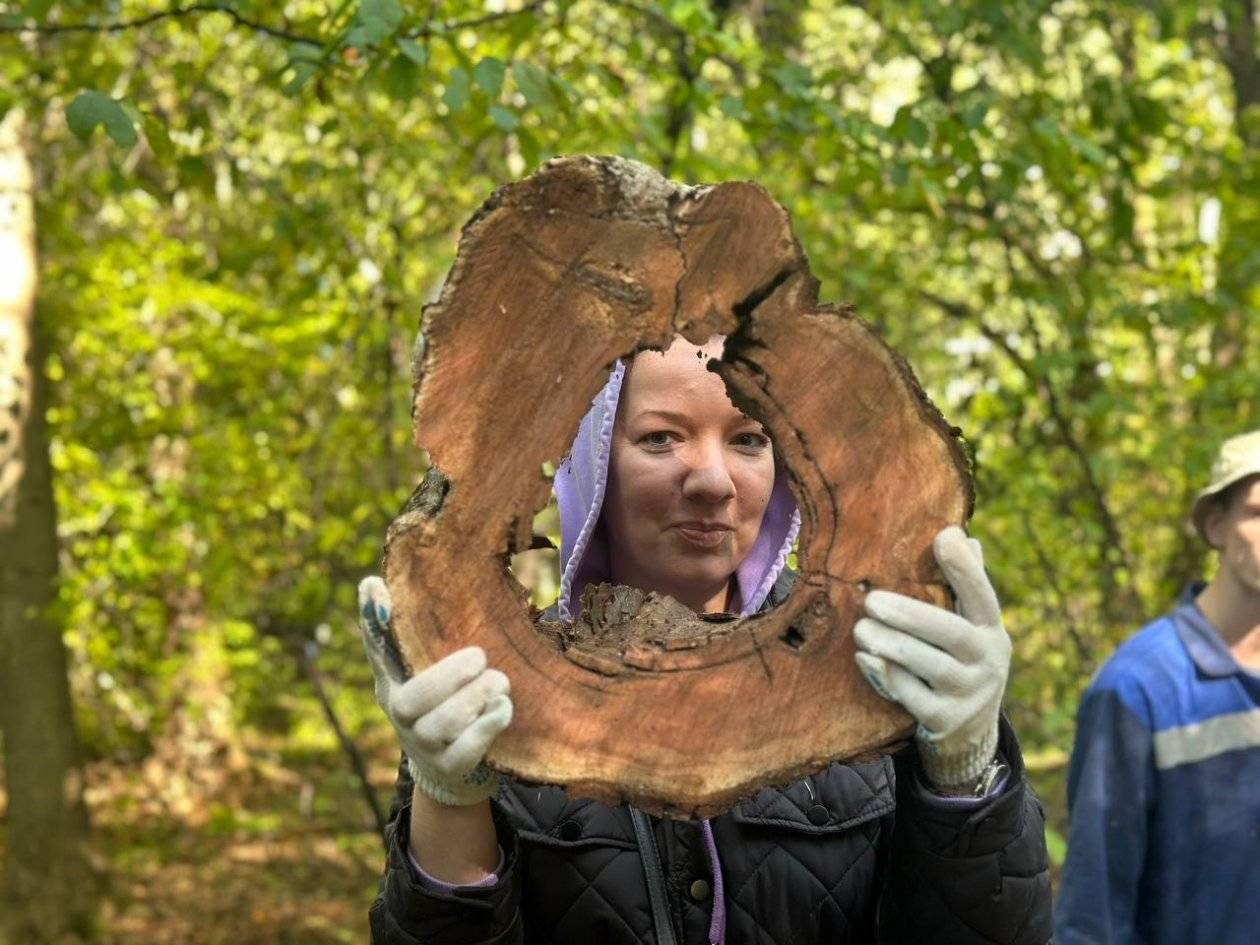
{"x":1202,"y":740}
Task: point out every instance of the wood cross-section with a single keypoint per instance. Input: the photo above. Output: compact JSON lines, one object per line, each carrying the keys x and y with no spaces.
{"x":558,"y":276}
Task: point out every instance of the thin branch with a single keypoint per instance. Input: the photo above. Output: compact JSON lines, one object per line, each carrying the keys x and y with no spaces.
{"x":118,"y":26}
{"x":1083,"y":652}
{"x":192,"y":9}
{"x":960,"y":311}
{"x":649,"y":12}
{"x":680,"y":34}
{"x":681,"y":114}
{"x":306,"y":653}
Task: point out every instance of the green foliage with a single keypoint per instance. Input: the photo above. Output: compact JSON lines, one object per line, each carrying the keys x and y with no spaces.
{"x":90,"y":109}
{"x":1051,"y":209}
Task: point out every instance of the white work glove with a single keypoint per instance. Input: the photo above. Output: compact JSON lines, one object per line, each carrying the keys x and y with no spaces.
{"x":947,"y":670}
{"x":446,"y":716}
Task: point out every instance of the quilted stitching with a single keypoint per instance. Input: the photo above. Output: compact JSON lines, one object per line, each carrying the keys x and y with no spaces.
{"x":587,"y":884}
{"x":608,"y":909}
{"x":850,"y":795}
{"x":857,"y":854}
{"x":832,"y":890}
{"x":762,"y":934}
{"x":589,"y":891}
{"x":752,"y":874}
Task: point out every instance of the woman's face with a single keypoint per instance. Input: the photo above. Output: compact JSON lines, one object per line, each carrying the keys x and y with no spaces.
{"x":688,"y":481}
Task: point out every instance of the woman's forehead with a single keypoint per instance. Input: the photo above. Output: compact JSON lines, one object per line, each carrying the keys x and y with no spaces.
{"x":678,"y":379}
{"x":680,"y":349}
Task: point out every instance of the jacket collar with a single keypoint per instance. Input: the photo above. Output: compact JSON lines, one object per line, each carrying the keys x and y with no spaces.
{"x":1200,"y":638}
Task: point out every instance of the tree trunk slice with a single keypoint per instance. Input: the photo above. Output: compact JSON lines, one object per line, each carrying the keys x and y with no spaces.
{"x":557,"y":276}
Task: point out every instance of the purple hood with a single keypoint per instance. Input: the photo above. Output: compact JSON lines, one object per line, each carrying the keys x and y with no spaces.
{"x":579,"y":485}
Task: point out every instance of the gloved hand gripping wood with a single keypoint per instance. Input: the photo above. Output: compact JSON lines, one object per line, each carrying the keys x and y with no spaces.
{"x":446,"y":716}
{"x":947,"y":670}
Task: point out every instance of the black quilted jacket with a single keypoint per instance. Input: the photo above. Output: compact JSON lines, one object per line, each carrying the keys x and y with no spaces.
{"x":849,"y":856}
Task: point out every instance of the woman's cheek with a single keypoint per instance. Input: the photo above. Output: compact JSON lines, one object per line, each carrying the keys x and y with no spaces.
{"x":759,"y":482}
{"x":653,"y":482}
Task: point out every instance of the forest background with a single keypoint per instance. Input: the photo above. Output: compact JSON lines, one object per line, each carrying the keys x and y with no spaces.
{"x":1051,"y":208}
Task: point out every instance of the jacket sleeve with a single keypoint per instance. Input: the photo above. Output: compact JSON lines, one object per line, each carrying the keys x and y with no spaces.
{"x":967,"y":874}
{"x":407,"y":911}
{"x":1110,"y":785}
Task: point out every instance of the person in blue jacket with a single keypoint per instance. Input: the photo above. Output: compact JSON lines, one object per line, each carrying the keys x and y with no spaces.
{"x":1164,"y":783}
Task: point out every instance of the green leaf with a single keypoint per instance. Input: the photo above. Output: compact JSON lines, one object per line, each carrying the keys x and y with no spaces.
{"x":402,"y":78}
{"x":159,"y":140}
{"x":92,"y":108}
{"x":531,"y":150}
{"x":563,"y":92}
{"x":1122,"y":217}
{"x":973,"y":117}
{"x":489,"y":76}
{"x":533,"y":84}
{"x":303,"y":70}
{"x":906,"y":127}
{"x":375,"y":21}
{"x":733,"y":107}
{"x":917,"y":133}
{"x":36,"y":9}
{"x":1046,"y":128}
{"x":794,"y":78}
{"x":414,"y":51}
{"x":1087,"y":149}
{"x":305,"y":52}
{"x":456,"y":94}
{"x":519,"y":29}
{"x":389,"y":13}
{"x":691,"y":15}
{"x":505,"y":118}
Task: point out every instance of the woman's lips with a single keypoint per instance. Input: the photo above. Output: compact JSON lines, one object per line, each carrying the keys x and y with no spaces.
{"x":702,"y":535}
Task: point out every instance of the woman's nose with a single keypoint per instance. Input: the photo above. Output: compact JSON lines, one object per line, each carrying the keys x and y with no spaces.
{"x":707,"y":479}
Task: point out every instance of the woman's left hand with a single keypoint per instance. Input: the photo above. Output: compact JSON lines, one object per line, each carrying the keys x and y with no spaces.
{"x":946,"y":669}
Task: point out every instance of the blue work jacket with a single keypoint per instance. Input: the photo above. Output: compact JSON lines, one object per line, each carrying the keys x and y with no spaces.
{"x":1164,"y":794}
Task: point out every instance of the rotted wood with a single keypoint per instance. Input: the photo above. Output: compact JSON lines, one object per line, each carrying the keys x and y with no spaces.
{"x":557,"y":276}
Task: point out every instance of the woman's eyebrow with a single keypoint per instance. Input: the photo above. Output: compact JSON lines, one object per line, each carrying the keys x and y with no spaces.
{"x":669,"y":416}
{"x":682,"y":419}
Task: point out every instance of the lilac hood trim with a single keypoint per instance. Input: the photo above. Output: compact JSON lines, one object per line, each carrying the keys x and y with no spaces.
{"x":579,"y":485}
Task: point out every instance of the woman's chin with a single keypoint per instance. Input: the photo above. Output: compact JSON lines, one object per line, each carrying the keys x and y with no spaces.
{"x":685,"y":574}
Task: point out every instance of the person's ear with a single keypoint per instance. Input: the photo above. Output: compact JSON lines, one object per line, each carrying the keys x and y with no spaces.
{"x":1214,"y":517}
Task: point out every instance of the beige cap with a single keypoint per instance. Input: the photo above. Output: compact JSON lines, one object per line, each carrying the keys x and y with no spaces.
{"x":1238,"y":458}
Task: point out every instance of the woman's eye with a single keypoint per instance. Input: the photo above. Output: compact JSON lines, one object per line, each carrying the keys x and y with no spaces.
{"x":657,"y":439}
{"x":752,"y":441}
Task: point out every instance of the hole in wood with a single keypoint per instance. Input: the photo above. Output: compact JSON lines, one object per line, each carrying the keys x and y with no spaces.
{"x":537,"y":568}
{"x":676,"y":512}
{"x":793,"y":638}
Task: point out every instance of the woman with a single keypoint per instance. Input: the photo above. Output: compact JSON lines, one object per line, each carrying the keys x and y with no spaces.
{"x":670,"y":488}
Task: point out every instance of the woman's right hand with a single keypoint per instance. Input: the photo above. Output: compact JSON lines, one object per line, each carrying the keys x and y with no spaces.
{"x":446,"y":716}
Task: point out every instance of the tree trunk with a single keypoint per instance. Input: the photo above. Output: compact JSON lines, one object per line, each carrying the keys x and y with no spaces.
{"x":47,"y":888}
{"x":557,"y":277}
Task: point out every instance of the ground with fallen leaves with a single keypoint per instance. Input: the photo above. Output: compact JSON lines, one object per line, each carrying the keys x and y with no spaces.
{"x":272,"y":848}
